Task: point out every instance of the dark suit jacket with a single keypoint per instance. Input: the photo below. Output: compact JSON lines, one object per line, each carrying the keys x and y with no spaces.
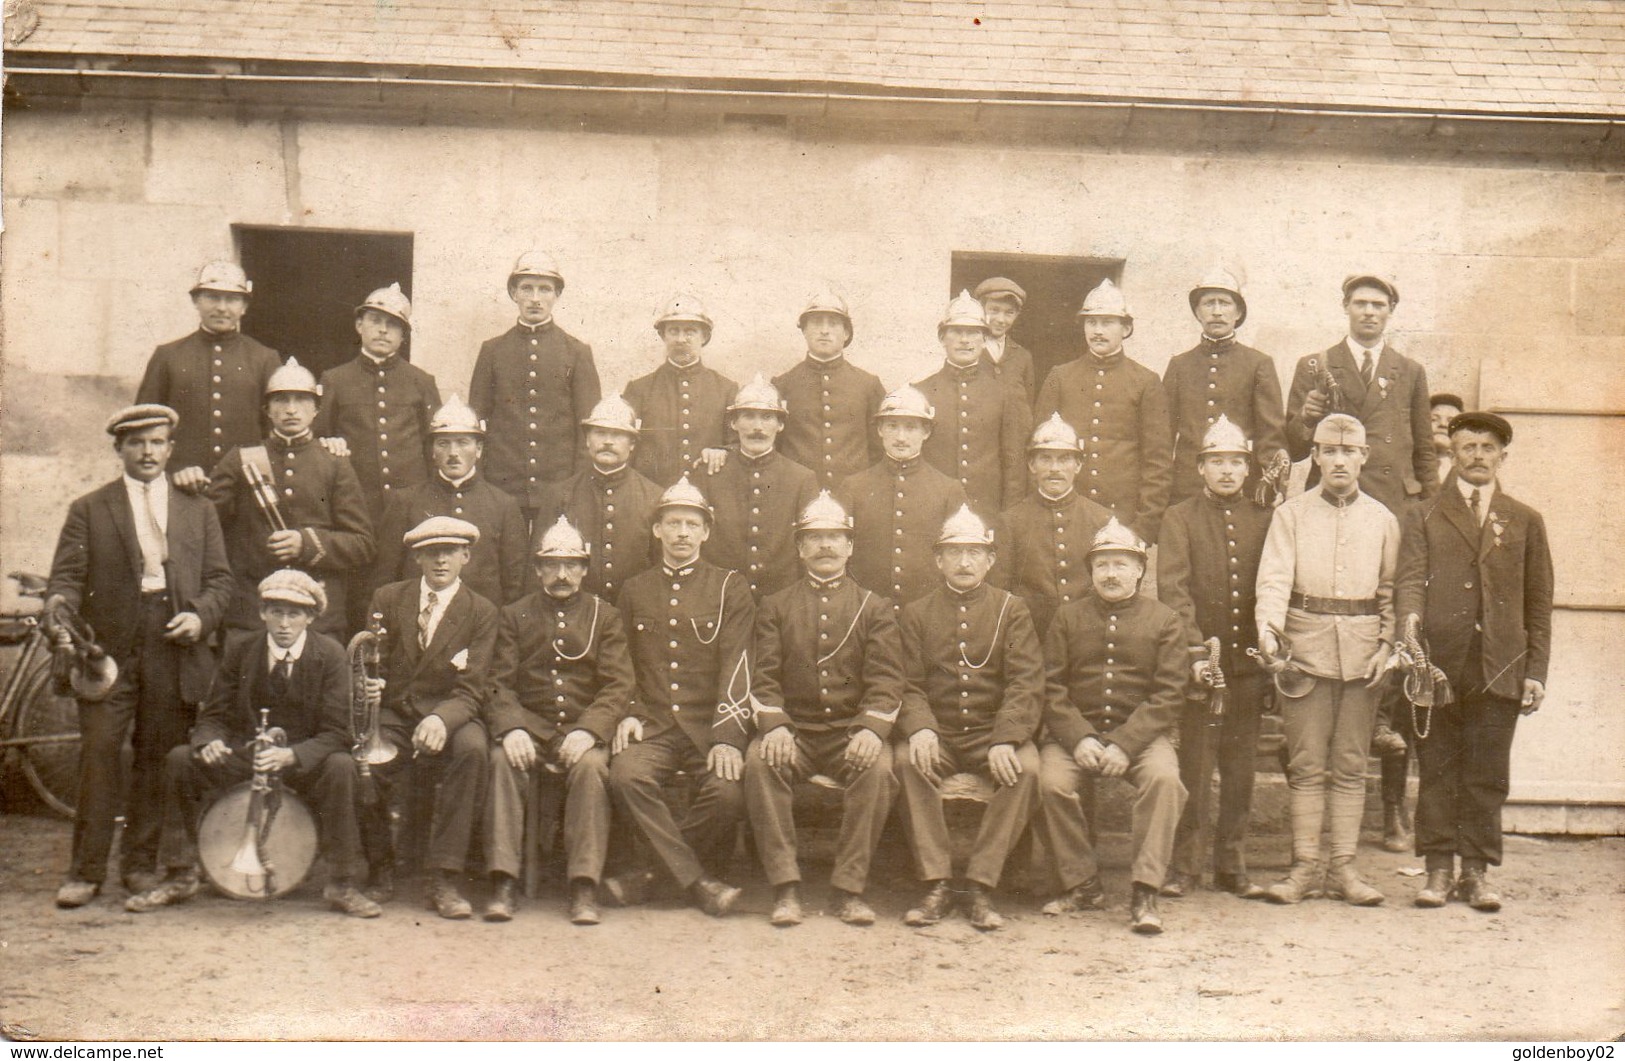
{"x":1458,"y":577}
{"x":97,"y":569}
{"x":423,"y":682}
{"x":318,"y":719}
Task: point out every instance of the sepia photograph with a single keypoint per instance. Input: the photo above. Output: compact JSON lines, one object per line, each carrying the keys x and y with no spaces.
{"x":812,"y":520}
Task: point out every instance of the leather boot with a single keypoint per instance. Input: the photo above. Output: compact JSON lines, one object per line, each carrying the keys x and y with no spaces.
{"x":504,"y":898}
{"x":630,"y":890}
{"x":982,"y":914}
{"x":1436,"y":892}
{"x":1142,"y":911}
{"x":1302,"y":881}
{"x":583,"y":902}
{"x":1395,"y":837}
{"x":1178,"y":884}
{"x":1237,"y":884}
{"x":446,"y":900}
{"x":1086,"y":896}
{"x":1474,"y":890}
{"x":178,"y":887}
{"x":852,"y":910}
{"x":930,"y":909}
{"x":714,"y":897}
{"x":1344,"y":882}
{"x":786,"y":906}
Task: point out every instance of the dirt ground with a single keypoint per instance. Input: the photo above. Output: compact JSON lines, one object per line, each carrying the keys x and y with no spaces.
{"x":1551,"y":965}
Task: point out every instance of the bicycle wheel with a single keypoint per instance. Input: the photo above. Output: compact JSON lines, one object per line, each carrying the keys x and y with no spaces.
{"x":52,"y":765}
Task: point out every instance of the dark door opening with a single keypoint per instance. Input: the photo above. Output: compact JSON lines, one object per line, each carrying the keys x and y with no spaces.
{"x":1055,"y":286}
{"x":307,"y":283}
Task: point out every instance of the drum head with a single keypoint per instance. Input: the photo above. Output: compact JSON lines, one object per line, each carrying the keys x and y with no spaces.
{"x":288,"y":849}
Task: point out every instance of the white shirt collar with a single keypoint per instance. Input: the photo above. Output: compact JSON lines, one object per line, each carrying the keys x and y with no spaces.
{"x":160,"y":487}
{"x":291,"y":653}
{"x":995,"y":348}
{"x":1357,"y":349}
{"x":442,"y":596}
{"x":1485,"y":493}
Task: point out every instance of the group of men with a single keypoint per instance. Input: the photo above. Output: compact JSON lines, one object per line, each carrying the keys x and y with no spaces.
{"x":803,"y":579}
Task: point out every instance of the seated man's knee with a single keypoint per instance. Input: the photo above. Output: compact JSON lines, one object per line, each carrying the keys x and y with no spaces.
{"x":592,"y":766}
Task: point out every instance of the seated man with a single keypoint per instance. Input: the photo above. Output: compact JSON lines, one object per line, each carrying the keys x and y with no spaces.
{"x":974,"y":696}
{"x":1116,"y":682}
{"x":303,"y":678}
{"x":561,"y":681}
{"x":439,"y":637}
{"x":829,"y":683}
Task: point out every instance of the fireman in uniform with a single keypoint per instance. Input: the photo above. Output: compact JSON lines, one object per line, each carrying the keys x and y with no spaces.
{"x":684,"y":403}
{"x":609,"y":502}
{"x":1002,"y":300}
{"x":831,"y":401}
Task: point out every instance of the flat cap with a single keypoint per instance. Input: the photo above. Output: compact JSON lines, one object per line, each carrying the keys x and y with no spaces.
{"x":1481,"y":421}
{"x":292,"y":586}
{"x":441,"y":530}
{"x":1446,"y":398}
{"x":136,"y":417}
{"x":1376,"y":280}
{"x":994,"y":286}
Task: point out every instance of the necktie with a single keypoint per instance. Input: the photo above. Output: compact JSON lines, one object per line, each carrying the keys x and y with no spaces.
{"x":1365,"y":368}
{"x":281,"y":673}
{"x":423,"y":619}
{"x":1473,"y":503}
{"x":152,"y":565}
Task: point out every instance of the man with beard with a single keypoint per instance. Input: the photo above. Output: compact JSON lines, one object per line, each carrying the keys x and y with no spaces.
{"x":1002,"y":300}
{"x":683,"y":403}
{"x":831,"y":401}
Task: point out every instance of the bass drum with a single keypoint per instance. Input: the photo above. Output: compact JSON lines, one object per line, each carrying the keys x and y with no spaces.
{"x":288,"y":848}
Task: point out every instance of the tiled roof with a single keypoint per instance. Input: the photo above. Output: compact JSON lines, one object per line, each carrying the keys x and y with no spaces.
{"x":1532,"y":56}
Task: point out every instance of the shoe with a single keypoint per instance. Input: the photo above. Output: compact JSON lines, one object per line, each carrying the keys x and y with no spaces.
{"x":583,"y":902}
{"x":446,"y":900}
{"x":504,"y":899}
{"x":347,"y":899}
{"x":1395,"y":837}
{"x":1177,"y":884}
{"x":1344,"y":882}
{"x":932,"y":908}
{"x":982,"y":914}
{"x":1237,"y":884}
{"x":141,"y":880}
{"x":630,"y":890}
{"x":715,"y":897}
{"x":1385,"y":742}
{"x":1436,"y":892}
{"x":852,"y":910}
{"x":75,"y":893}
{"x":1142,"y":911}
{"x":380,"y":884}
{"x":1474,"y":890}
{"x":1301,"y":882}
{"x":177,"y":888}
{"x":1086,"y":896}
{"x":786,"y":906}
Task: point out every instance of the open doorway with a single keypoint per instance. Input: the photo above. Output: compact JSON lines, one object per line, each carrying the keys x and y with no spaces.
{"x":1055,"y":286}
{"x":308,"y":281}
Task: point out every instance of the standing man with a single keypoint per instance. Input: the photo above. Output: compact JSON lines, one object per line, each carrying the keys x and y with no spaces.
{"x":308,"y":511}
{"x":1048,"y":534}
{"x":831,"y":401}
{"x":1476,"y":567}
{"x":689,"y":626}
{"x":1326,"y":601}
{"x":436,"y":668}
{"x":609,"y":502}
{"x":1442,"y":409}
{"x":758,"y":493}
{"x":561,"y":682}
{"x":1117,"y":668}
{"x":1208,"y":575}
{"x":497,"y":570}
{"x":213,"y":378}
{"x":1220,"y":376}
{"x":899,"y":503}
{"x":145,"y":566}
{"x":1001,"y":300}
{"x":829,"y":684}
{"x":973,"y":701}
{"x":981,"y":442}
{"x":533,"y":386}
{"x":1380,"y":387}
{"x":683,"y":403}
{"x":1121,"y":413}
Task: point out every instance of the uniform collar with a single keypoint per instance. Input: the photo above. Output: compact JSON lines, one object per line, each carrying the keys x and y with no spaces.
{"x":1056,"y":502}
{"x":218,"y":337}
{"x":458,"y":484}
{"x":533,"y":329}
{"x":763,"y":459}
{"x":679,"y":573}
{"x":277,"y":440}
{"x":1223,"y":502}
{"x":824,"y":364}
{"x":684,"y":370}
{"x":379,"y":363}
{"x":1107,"y":607}
{"x":613,"y":478}
{"x":960,"y":371}
{"x":1339,"y":502}
{"x":897,"y":467}
{"x":969,"y":596}
{"x":1218,"y":346}
{"x":1109,"y":361}
{"x":825,"y":584}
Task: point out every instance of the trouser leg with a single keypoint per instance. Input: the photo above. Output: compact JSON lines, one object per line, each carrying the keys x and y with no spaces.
{"x":162,"y":721}
{"x":1238,"y":754}
{"x":1193,"y":731}
{"x":1061,"y":816}
{"x":102,"y":727}
{"x":635,"y":779}
{"x":1486,"y":775}
{"x":769,"y":795}
{"x":465,"y":775}
{"x":331,"y":786}
{"x":189,"y":784}
{"x":711,"y":826}
{"x":923,"y":817}
{"x":1159,"y":798}
{"x":505,"y":814}
{"x":587,"y":815}
{"x":1441,"y":756}
{"x":1005,"y":820}
{"x":1307,"y":721}
{"x":1394,"y":711}
{"x":1355,"y":717}
{"x":865,"y":802}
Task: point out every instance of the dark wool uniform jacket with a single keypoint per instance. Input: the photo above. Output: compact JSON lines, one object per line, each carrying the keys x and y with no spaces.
{"x":829,"y":656}
{"x":533,"y":387}
{"x":499,"y":563}
{"x":757,"y":502}
{"x":1044,"y":551}
{"x":1119,"y":410}
{"x":684,"y":411}
{"x":1461,"y":578}
{"x":315,"y":715}
{"x":897,"y":513}
{"x":450,"y":677}
{"x":560,"y":666}
{"x":614,"y":513}
{"x":383,"y":411}
{"x":974,"y":667}
{"x":1116,"y":671}
{"x":1207,"y":572}
{"x":980,"y":436}
{"x":1397,"y":417}
{"x":97,"y":570}
{"x":217,"y":385}
{"x":690,"y":631}
{"x":1214,"y":379}
{"x":830,"y":427}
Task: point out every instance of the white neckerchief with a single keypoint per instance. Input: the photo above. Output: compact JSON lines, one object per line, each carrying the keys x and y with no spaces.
{"x":995,"y":348}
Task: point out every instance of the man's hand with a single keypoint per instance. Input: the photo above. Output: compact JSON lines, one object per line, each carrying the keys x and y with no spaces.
{"x":925,"y":752}
{"x":1199,"y":671}
{"x":336,"y":445}
{"x":576,"y":743}
{"x":214,"y":753}
{"x":375,"y":686}
{"x":1377,"y":669}
{"x":430,"y":736}
{"x":184,"y":629}
{"x":520,"y":749}
{"x":630,"y":729}
{"x":714,"y":459}
{"x":1113,"y":761}
{"x":275,"y":759}
{"x":1003,"y":764}
{"x":191,"y":480}
{"x":726,"y":761}
{"x":1533,"y":693}
{"x":1087,"y":754}
{"x":863,"y":750}
{"x":1314,"y":405}
{"x":1269,"y":646}
{"x":779,"y":747}
{"x":285,"y":545}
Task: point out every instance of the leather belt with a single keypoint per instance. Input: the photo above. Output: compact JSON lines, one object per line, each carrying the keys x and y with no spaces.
{"x":1334,"y":605}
